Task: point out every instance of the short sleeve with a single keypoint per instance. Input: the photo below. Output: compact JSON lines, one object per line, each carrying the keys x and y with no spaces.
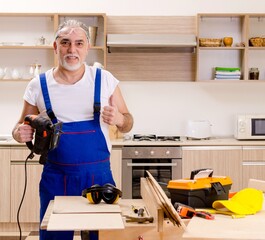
{"x":32,"y":92}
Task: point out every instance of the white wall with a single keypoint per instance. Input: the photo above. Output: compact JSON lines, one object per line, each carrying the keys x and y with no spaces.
{"x":158,"y":107}
{"x":163,"y":108}
{"x":136,"y":7}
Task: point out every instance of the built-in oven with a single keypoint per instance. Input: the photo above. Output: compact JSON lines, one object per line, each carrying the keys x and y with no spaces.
{"x":163,"y":162}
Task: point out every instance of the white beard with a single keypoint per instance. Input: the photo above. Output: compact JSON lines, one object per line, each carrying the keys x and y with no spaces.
{"x":70,"y":67}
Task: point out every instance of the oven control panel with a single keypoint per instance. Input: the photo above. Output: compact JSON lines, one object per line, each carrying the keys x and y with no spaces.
{"x":151,"y":152}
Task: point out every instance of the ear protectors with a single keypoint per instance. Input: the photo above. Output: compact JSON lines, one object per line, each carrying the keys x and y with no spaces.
{"x":108,"y":192}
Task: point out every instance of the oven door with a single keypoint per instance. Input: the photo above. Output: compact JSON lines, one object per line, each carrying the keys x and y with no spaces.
{"x":163,"y":170}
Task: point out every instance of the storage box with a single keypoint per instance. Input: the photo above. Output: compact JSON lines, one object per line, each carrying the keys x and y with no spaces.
{"x":199,"y":193}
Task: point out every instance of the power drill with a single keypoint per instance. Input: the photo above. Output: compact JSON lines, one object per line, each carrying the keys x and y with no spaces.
{"x":43,"y":134}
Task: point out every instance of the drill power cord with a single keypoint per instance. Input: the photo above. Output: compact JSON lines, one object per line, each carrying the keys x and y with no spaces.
{"x":30,"y":156}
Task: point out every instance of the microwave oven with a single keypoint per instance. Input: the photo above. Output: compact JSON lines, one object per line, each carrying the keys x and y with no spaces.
{"x":250,"y":127}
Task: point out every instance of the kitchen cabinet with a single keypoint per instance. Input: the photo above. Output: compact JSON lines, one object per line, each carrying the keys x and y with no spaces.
{"x":224,"y":160}
{"x":21,"y":46}
{"x":115,"y":161}
{"x":152,"y":48}
{"x":30,"y":208}
{"x":13,"y":178}
{"x":30,"y":50}
{"x":256,"y":55}
{"x":241,"y":27}
{"x":218,"y":26}
{"x":4,"y":184}
{"x":253,"y":163}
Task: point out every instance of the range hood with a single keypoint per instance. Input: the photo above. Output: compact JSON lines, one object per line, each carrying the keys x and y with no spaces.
{"x":151,"y":40}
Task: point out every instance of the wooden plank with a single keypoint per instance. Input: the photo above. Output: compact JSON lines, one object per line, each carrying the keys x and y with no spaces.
{"x":258,"y":184}
{"x":162,"y":203}
{"x":91,"y":221}
{"x":225,"y":227}
{"x":47,"y":215}
{"x":166,"y":202}
{"x":78,"y":204}
{"x":155,"y":210}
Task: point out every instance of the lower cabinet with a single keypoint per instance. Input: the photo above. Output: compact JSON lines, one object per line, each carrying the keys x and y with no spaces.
{"x":14,"y":176}
{"x":253,"y":163}
{"x":30,"y":208}
{"x":4,"y":184}
{"x":115,"y":161}
{"x":224,"y":160}
{"x":238,"y":162}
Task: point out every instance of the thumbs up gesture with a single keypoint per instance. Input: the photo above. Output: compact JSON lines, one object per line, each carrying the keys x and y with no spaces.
{"x":111,"y":114}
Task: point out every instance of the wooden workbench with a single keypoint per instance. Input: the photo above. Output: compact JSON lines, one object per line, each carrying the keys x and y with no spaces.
{"x":157,"y":230}
{"x":223,"y":227}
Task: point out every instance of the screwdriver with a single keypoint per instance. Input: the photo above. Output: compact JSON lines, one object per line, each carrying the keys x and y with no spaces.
{"x":140,"y":212}
{"x":135,"y":210}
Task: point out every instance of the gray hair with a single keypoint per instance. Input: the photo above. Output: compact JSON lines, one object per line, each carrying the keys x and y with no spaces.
{"x":72,"y":23}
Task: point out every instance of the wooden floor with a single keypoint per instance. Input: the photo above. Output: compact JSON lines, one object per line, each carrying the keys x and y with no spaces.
{"x":11,"y":238}
{"x":30,"y":236}
{"x":15,"y":236}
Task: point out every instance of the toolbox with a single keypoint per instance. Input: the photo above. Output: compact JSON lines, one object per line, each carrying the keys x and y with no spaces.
{"x":199,"y":192}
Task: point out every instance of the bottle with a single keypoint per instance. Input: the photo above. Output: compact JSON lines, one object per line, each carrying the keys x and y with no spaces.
{"x":254,"y":74}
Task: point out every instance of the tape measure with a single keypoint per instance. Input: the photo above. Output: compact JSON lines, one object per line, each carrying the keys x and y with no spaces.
{"x":184,"y":211}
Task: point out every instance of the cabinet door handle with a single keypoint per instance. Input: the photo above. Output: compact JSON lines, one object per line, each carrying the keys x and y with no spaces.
{"x":152,"y":164}
{"x":254,"y":163}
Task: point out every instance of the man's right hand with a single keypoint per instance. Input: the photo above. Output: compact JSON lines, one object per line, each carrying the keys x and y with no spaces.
{"x":24,"y":133}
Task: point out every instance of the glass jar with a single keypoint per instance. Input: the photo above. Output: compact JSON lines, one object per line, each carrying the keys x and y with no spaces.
{"x":254,"y":74}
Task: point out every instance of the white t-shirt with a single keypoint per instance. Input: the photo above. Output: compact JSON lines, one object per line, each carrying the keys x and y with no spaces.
{"x":74,"y":102}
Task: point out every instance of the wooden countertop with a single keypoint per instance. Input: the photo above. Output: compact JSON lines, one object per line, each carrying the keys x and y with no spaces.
{"x":183,"y":142}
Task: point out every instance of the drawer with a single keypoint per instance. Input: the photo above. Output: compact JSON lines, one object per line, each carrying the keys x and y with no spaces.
{"x":20,"y":154}
{"x":253,"y":153}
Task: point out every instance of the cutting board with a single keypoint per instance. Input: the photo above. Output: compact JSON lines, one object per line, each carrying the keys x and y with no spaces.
{"x":79,"y":204}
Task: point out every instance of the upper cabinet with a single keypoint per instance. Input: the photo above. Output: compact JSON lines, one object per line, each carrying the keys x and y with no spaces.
{"x":152,"y":48}
{"x":256,"y":47}
{"x":26,"y":41}
{"x":220,"y":61}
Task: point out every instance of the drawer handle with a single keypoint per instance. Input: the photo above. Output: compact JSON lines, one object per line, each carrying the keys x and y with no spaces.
{"x":253,"y":163}
{"x":152,"y":164}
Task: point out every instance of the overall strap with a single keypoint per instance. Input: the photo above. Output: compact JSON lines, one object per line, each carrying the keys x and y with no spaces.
{"x":97,"y":104}
{"x":46,"y":98}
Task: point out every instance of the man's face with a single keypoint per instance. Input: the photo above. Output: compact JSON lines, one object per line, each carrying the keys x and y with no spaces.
{"x":71,"y":47}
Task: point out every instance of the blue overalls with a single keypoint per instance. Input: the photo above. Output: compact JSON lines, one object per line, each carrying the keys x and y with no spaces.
{"x":80,"y":160}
